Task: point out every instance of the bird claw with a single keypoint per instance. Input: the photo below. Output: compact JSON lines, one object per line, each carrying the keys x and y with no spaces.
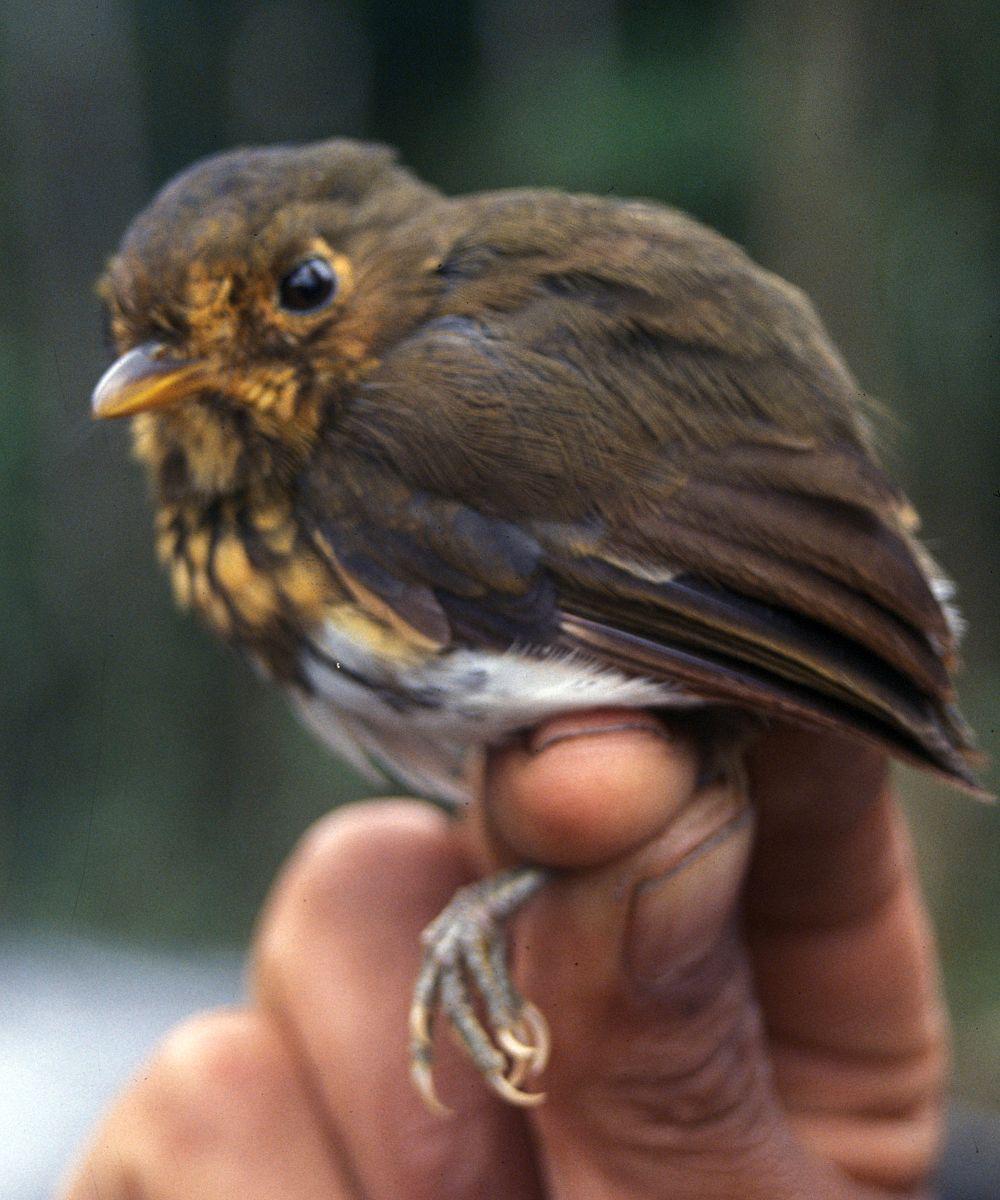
{"x":420,"y":1024}
{"x":423,"y":1081}
{"x":527,"y":1044}
{"x":465,"y":961}
{"x":506,"y":1090}
{"x":509,"y":1044}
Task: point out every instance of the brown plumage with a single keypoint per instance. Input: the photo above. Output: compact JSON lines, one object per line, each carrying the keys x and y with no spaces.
{"x":444,"y":466}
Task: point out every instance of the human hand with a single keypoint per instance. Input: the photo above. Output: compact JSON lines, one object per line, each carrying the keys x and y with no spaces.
{"x":727,"y":1020}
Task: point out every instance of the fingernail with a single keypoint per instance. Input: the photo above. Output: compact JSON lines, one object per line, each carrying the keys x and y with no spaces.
{"x":678,"y":914}
{"x":567,"y":730}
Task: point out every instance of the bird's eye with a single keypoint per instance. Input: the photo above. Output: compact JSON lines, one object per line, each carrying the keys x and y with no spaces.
{"x":308,"y":286}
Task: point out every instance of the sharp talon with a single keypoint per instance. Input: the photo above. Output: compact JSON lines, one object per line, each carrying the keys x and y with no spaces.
{"x":508,"y":1041}
{"x":420,"y":1024}
{"x":538,"y":1029}
{"x":522,"y":1069}
{"x":513,"y":1095}
{"x":518,"y":1072}
{"x":529,"y":1058}
{"x":423,"y":1081}
{"x":524,"y":1058}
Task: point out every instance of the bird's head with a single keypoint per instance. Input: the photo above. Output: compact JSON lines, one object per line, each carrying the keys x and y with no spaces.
{"x":249,"y":296}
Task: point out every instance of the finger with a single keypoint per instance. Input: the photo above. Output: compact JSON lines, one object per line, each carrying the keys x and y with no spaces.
{"x":659,"y":1080}
{"x":337,"y":957}
{"x":844,"y":959}
{"x":586,"y":787}
{"x":219,"y":1114}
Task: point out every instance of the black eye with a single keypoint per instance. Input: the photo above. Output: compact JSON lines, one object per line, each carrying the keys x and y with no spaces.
{"x":307,"y":286}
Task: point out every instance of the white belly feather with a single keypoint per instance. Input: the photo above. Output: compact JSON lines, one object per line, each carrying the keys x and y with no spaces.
{"x":420,"y":721}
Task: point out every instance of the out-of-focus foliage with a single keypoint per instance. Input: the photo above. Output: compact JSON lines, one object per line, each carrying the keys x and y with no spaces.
{"x":150,"y":783}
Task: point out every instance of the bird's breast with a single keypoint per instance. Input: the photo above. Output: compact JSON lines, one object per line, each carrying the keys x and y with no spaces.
{"x":248,"y":571}
{"x":258,"y":579}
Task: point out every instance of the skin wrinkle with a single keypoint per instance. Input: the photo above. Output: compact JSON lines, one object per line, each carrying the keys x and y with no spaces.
{"x":895,"y":1058}
{"x":688,"y":1090}
{"x":731,"y":827}
{"x":699,"y":1098}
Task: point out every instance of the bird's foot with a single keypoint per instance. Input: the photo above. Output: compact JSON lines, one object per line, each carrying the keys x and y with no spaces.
{"x":465,"y":961}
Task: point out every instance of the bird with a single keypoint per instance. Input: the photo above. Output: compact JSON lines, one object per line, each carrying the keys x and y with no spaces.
{"x":444,"y":467}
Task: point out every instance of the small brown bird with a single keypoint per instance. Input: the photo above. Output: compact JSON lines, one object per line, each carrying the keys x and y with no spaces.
{"x":446,"y":467}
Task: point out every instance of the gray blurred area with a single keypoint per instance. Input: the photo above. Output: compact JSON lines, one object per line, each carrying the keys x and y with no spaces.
{"x":149,"y":784}
{"x":78,"y":1018}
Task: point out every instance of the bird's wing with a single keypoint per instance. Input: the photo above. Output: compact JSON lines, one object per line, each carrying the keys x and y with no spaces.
{"x":439,"y":570}
{"x":782,"y":630}
{"x":779,"y":628}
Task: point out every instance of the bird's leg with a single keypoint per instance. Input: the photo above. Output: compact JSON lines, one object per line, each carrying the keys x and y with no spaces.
{"x":465,"y":959}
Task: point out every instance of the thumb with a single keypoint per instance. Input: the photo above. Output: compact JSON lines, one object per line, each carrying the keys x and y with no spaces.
{"x":659,"y":1080}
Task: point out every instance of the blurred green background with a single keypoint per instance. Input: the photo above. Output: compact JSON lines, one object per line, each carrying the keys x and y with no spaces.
{"x":150,"y":783}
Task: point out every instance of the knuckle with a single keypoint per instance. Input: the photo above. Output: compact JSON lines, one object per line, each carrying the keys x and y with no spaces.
{"x":215,"y":1078}
{"x":332,"y":872}
{"x":354,"y":841}
{"x":360,"y":832}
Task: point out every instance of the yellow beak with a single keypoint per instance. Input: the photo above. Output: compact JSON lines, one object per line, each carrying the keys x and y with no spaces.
{"x":146,"y":377}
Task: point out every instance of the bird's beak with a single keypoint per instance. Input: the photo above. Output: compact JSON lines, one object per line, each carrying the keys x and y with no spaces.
{"x":146,"y":377}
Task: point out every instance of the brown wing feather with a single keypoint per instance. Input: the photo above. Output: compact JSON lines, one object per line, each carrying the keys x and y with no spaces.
{"x":912,"y":728}
{"x":832,"y":562}
{"x":794,"y":596}
{"x":671,"y":427}
{"x":857,"y":538}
